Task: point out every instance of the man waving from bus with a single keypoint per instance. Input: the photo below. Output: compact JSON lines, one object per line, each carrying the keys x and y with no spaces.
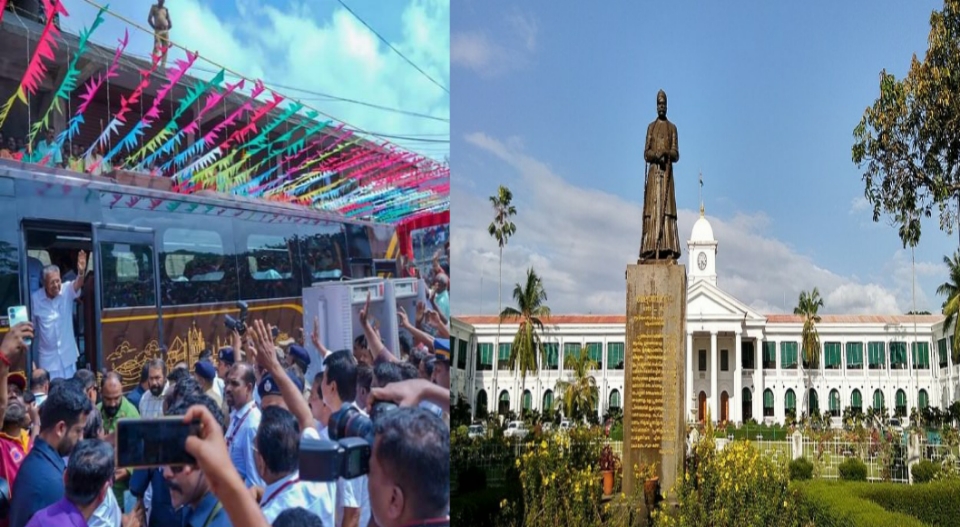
{"x":53,"y":318}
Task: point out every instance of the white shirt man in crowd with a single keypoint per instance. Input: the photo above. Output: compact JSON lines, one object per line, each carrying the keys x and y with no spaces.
{"x":244,"y":421}
{"x":53,"y":317}
{"x":151,"y":403}
{"x":339,"y":388}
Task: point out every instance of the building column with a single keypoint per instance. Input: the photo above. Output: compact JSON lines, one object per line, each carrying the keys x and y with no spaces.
{"x":758,"y":381}
{"x":737,"y":380}
{"x":714,"y":393}
{"x":689,"y":403}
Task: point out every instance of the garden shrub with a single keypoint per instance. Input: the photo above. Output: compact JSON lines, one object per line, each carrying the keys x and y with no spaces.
{"x":800,"y":469}
{"x":853,"y":470}
{"x":840,"y":504}
{"x":924,"y":471}
{"x":934,"y":503}
{"x":480,"y":508}
{"x":561,"y":483}
{"x":736,"y":486}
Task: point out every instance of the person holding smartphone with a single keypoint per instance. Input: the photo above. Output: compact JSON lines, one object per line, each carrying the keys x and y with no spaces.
{"x":53,"y":318}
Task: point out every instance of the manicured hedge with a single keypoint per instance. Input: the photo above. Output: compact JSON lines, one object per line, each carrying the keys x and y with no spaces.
{"x":933,"y":503}
{"x":801,"y":469}
{"x":852,"y":469}
{"x":839,"y":504}
{"x":924,"y":471}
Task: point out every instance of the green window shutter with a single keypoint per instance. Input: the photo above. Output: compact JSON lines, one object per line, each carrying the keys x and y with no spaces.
{"x":856,"y":400}
{"x":790,"y":401}
{"x":855,"y":355}
{"x":901,"y":402}
{"x":485,"y":356}
{"x":571,"y":351}
{"x":768,"y":398}
{"x":548,"y":401}
{"x":527,"y":400}
{"x":877,"y":353}
{"x":769,"y":355}
{"x":595,"y":349}
{"x":834,"y":401}
{"x":747,"y":355}
{"x":922,"y":401}
{"x":898,"y":355}
{"x":788,"y":355}
{"x":462,"y":355}
{"x":503,"y":356}
{"x":942,"y":352}
{"x":878,"y":400}
{"x":550,"y":351}
{"x":615,"y":356}
{"x":831,"y":355}
{"x":921,"y":355}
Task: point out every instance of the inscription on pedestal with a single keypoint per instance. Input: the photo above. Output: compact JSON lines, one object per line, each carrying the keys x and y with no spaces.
{"x":655,"y":365}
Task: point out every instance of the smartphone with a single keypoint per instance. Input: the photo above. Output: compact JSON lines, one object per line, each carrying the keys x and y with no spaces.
{"x":146,"y":443}
{"x":18,"y":314}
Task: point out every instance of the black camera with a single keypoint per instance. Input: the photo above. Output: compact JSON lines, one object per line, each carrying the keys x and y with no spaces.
{"x":237,"y":324}
{"x":326,"y":461}
{"x":350,"y":421}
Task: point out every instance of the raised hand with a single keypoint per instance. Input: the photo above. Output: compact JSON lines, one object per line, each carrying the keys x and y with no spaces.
{"x":365,"y":310}
{"x":402,"y":316}
{"x":266,"y":351}
{"x":315,"y":334}
{"x":81,"y":263}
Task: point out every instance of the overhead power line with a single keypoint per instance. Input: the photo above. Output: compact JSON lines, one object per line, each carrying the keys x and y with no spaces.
{"x":395,"y":50}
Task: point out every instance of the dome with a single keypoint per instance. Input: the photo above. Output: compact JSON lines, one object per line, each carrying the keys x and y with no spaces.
{"x":702,"y":231}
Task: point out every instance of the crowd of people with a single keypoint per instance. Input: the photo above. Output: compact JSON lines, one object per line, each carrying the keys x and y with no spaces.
{"x":255,"y":408}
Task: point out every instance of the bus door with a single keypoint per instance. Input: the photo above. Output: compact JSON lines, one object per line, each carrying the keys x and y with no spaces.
{"x":128,"y":303}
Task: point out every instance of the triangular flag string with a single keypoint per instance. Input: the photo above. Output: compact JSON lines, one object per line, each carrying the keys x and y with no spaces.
{"x":36,"y":69}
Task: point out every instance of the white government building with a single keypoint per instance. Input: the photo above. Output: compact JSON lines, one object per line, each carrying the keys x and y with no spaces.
{"x":740,"y":364}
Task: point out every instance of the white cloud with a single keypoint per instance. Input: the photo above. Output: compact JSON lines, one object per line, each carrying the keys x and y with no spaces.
{"x":305,"y":46}
{"x":858,"y":205}
{"x":490,"y":56}
{"x":580,"y":241}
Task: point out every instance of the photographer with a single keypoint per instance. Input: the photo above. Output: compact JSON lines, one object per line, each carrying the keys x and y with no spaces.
{"x":410,"y":470}
{"x":339,"y":388}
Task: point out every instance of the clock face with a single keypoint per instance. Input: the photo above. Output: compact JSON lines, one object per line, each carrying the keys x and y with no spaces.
{"x":702,"y":261}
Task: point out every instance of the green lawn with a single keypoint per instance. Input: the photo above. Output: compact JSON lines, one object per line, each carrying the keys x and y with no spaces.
{"x":829,"y":503}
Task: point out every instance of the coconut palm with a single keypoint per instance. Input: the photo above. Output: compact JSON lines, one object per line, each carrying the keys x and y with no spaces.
{"x":807,"y":307}
{"x":501,"y":228}
{"x":530,"y":312}
{"x":579,"y":395}
{"x":951,"y":289}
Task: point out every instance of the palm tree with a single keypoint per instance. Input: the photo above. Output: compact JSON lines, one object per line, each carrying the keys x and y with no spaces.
{"x":807,"y":307}
{"x":579,"y":395}
{"x":530,"y":312}
{"x":501,"y":228}
{"x":951,"y":289}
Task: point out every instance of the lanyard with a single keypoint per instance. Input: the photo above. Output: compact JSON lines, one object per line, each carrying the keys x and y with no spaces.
{"x":278,"y":491}
{"x":238,"y":425}
{"x":216,"y":509}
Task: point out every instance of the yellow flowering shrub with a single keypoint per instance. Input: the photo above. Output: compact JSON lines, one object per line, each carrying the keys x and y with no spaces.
{"x":736,"y":486}
{"x":561,"y":481}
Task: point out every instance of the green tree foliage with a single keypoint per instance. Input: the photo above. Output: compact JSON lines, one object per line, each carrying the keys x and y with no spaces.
{"x":530,"y":314}
{"x":908,"y":141}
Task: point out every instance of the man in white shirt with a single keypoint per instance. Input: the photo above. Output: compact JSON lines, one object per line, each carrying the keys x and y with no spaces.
{"x":277,"y":448}
{"x":244,"y":421}
{"x":151,"y":403}
{"x":339,"y":388}
{"x":53,"y":319}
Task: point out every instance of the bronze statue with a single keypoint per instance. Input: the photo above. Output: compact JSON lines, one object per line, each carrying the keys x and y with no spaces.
{"x":660,"y":241}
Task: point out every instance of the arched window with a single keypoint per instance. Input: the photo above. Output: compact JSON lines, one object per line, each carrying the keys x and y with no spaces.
{"x":614,"y":399}
{"x":922,"y":400}
{"x":901,"y":403}
{"x":835,"y":402}
{"x":790,"y":403}
{"x":504,"y":405}
{"x":813,"y":402}
{"x":746,"y":406}
{"x":856,"y":400}
{"x":768,"y":403}
{"x":878,"y":403}
{"x":548,"y":400}
{"x":481,"y":403}
{"x":527,"y":400}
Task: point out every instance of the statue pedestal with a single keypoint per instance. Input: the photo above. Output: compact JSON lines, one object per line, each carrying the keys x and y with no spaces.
{"x":653,"y":419}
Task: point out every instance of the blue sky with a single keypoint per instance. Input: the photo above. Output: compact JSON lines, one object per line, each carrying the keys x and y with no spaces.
{"x":554,"y":102}
{"x":316,"y":46}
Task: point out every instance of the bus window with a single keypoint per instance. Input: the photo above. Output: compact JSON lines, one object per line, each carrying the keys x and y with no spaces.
{"x":195,"y":267}
{"x":9,"y":276}
{"x":323,"y":257}
{"x":269,"y":267}
{"x":127,"y":275}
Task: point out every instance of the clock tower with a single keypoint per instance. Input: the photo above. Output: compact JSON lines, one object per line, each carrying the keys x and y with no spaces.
{"x":702,"y":250}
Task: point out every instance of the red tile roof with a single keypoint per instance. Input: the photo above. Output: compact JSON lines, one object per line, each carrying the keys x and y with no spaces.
{"x":772,"y":319}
